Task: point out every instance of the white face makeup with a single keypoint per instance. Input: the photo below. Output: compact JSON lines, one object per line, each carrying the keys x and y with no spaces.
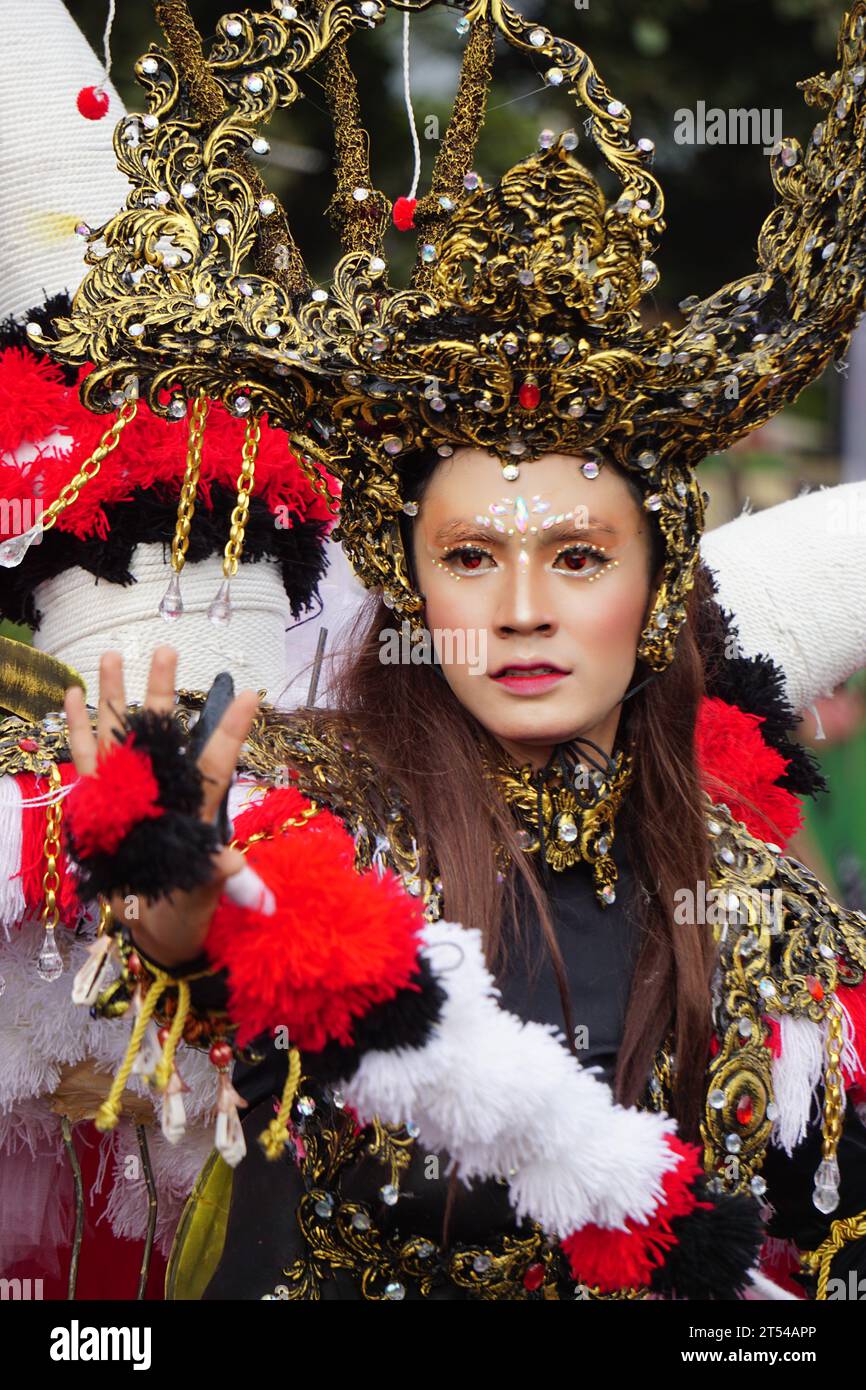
{"x":548,"y":575}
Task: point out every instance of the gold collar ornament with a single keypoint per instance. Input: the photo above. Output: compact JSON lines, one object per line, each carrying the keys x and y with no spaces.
{"x":568,"y":812}
{"x":520,"y":331}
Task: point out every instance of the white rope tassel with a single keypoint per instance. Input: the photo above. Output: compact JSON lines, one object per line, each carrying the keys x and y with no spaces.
{"x":12,"y":905}
{"x":407,"y":97}
{"x":796,"y":1077}
{"x":106,"y":46}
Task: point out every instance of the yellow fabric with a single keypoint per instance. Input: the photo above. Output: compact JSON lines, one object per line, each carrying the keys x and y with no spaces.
{"x":200,"y":1236}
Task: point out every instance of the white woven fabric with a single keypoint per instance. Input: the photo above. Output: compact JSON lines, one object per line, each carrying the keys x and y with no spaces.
{"x":794,"y":577}
{"x":83,"y":618}
{"x":56,"y":168}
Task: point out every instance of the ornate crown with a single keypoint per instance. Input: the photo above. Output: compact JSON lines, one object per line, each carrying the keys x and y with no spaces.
{"x":520,"y":330}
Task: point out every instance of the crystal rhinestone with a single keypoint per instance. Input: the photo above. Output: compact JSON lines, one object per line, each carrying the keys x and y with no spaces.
{"x":288,"y":12}
{"x":828,"y":250}
{"x":537,"y":38}
{"x":590,"y":469}
{"x":446,"y":203}
{"x":149,"y":66}
{"x":603,"y":845}
{"x":526,"y":277}
{"x":462,"y":26}
{"x":149,"y":122}
{"x":653,"y":502}
{"x":222,"y":226}
{"x":266,"y":206}
{"x":517,"y":447}
{"x":34,"y":330}
{"x":188,"y":189}
{"x":368,"y":8}
{"x":392,"y":444}
{"x":135,"y":330}
{"x":560,"y":346}
{"x":714,"y":827}
{"x":201,"y":300}
{"x":242,"y":405}
{"x":445,"y":451}
{"x":826,"y":951}
{"x":545,"y":139}
{"x":424,"y":1249}
{"x":758,"y":1186}
{"x":482,"y":403}
{"x":428,"y":252}
{"x":647,"y":459}
{"x":324,"y":1206}
{"x":665,"y":359}
{"x":376,"y":264}
{"x":566,"y":828}
{"x":395,"y":1291}
{"x":306,"y":1105}
{"x":410,"y":508}
{"x":272,"y":330}
{"x":437,"y":403}
{"x":745,"y":1028}
{"x":234,"y":28}
{"x":161,"y":198}
{"x":858,"y":75}
{"x":727,"y":855}
{"x":471,"y":181}
{"x":690,"y":398}
{"x":716,"y":1100}
{"x":320,"y":296}
{"x":253,"y":83}
{"x":361,"y":1221}
{"x":389,"y":1194}
{"x":220,"y":611}
{"x":733,"y":1143}
{"x":260,"y":145}
{"x":481,"y":1264}
{"x":789,"y":155}
{"x":511,"y":472}
{"x":646,"y":146}
{"x":524,"y":839}
{"x":359,"y":194}
{"x":570,"y":140}
{"x":554,"y":76}
{"x":171,"y":604}
{"x":608,"y":894}
{"x":576,"y":409}
{"x":772,"y":1111}
{"x":412,"y":1129}
{"x":767,"y":988}
{"x":649,"y":271}
{"x":615,"y":108}
{"x":661,"y":620}
{"x":826,"y":1194}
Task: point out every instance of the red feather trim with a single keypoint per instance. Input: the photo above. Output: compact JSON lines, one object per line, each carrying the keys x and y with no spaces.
{"x":740,"y":769}
{"x":151,"y":453}
{"x":615,"y":1259}
{"x":32,"y":870}
{"x":338,"y":943}
{"x":102,"y":809}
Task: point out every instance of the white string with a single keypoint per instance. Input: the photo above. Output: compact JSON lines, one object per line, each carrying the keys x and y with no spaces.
{"x":47,"y":799}
{"x":407,"y":97}
{"x":106,"y":46}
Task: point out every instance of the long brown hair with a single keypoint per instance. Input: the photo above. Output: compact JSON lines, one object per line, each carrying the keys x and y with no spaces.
{"x":429,"y":747}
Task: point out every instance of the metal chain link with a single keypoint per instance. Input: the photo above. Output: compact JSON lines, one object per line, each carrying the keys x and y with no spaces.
{"x":246,"y":482}
{"x":51,"y":851}
{"x":89,"y":469}
{"x":186,"y":505}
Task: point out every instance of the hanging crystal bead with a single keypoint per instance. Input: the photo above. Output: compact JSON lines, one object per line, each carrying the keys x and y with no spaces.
{"x":13,"y":550}
{"x":49,"y":964}
{"x":826,"y":1194}
{"x":220,"y":611}
{"x":171,"y":603}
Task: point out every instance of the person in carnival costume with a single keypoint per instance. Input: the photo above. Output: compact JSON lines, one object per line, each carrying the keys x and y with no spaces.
{"x":511,"y":977}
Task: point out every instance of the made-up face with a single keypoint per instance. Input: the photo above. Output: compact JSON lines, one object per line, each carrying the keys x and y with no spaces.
{"x":536,"y":594}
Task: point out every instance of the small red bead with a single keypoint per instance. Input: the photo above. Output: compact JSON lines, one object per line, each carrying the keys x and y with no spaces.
{"x":714,"y":1046}
{"x":220,"y":1054}
{"x":529,"y":395}
{"x":534,"y":1277}
{"x":745,"y":1110}
{"x":92,"y":103}
{"x":28,"y":745}
{"x":133,"y":963}
{"x":162,"y":1034}
{"x":816,"y":989}
{"x":403,"y":214}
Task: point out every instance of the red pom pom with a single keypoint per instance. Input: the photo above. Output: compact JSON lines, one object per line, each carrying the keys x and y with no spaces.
{"x":338,"y":943}
{"x":627,"y":1259}
{"x":103,"y":808}
{"x":403,"y":214}
{"x":92,"y":102}
{"x":740,"y":769}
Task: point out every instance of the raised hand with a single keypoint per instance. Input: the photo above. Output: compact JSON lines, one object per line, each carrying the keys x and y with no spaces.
{"x":172,"y":929}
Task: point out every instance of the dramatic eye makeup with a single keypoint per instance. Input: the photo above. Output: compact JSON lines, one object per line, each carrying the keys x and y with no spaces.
{"x":466,"y":545}
{"x":581,"y":560}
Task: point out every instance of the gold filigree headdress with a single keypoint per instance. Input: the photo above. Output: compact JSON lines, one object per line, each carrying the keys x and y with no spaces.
{"x":520,"y":330}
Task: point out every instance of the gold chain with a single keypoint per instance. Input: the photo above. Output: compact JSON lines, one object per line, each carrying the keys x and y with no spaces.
{"x":89,"y":469}
{"x":246,"y":482}
{"x":834,"y":1103}
{"x":51,"y":851}
{"x":186,"y":505}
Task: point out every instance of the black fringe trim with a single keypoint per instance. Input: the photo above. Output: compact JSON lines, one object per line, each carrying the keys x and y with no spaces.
{"x":715,"y":1250}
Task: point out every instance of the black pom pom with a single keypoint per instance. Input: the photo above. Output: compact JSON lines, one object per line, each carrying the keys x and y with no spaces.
{"x":157,"y":857}
{"x":715,"y":1250}
{"x":160,"y":736}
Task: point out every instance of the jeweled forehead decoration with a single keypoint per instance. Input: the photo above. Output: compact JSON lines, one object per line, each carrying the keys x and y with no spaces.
{"x":520,"y":330}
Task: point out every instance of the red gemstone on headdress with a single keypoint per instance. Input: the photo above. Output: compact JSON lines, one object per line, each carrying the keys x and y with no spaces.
{"x":28,"y":745}
{"x":92,"y":103}
{"x":745,"y":1110}
{"x":534,"y":1276}
{"x":816,"y":989}
{"x":529,"y":395}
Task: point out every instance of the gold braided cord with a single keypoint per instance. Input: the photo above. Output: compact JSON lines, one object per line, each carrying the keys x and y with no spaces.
{"x":109,"y":1111}
{"x":175,"y":1033}
{"x":819,"y":1261}
{"x":274,"y":1139}
{"x":186,"y":505}
{"x":240,"y":513}
{"x":89,"y":469}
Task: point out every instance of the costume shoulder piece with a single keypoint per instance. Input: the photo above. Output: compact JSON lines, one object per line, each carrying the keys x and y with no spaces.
{"x":791,"y":961}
